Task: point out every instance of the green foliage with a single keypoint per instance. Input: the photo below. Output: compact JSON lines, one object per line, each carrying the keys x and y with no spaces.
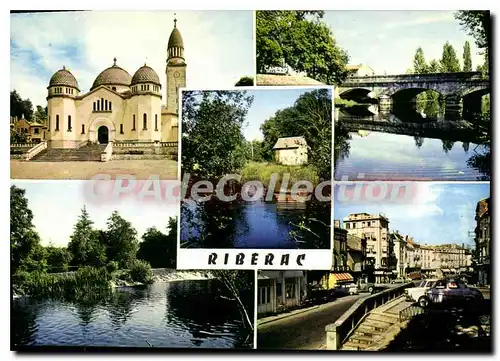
{"x":20,"y":107}
{"x":245,"y":81}
{"x":85,"y":280}
{"x":120,"y":239}
{"x":41,"y":114}
{"x":467,"y":57}
{"x":140,"y":271}
{"x":253,"y":150}
{"x":26,"y":251}
{"x":301,"y":40}
{"x":112,"y":266}
{"x":477,"y":24}
{"x":419,"y":64}
{"x":58,"y":259}
{"x":449,"y":60}
{"x":310,"y":117}
{"x":212,"y":138}
{"x":85,"y":245}
{"x":433,"y":66}
{"x":262,"y":171}
{"x":160,"y":249}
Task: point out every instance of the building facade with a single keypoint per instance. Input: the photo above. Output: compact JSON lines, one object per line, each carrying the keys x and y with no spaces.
{"x":483,"y":241}
{"x":375,"y":228}
{"x":35,"y":131}
{"x":280,"y":290}
{"x":290,"y":151}
{"x":118,"y":107}
{"x":360,"y":70}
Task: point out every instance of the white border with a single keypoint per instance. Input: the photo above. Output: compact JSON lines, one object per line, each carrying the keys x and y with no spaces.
{"x":198,"y":258}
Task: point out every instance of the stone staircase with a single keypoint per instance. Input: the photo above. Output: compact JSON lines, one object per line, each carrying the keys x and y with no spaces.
{"x":371,"y":329}
{"x":91,"y":152}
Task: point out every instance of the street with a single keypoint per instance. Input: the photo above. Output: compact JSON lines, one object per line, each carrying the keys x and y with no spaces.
{"x":305,"y":330}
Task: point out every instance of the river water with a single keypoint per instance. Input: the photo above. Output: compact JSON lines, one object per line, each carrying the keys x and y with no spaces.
{"x":395,"y":152}
{"x":165,"y":315}
{"x":257,"y":225}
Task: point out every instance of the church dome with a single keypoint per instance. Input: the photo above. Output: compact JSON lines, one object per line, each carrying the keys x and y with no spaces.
{"x":145,"y":74}
{"x":175,"y":40}
{"x":63,"y":77}
{"x":114,"y":75}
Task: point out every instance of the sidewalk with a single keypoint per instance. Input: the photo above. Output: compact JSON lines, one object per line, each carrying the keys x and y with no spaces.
{"x":264,"y":320}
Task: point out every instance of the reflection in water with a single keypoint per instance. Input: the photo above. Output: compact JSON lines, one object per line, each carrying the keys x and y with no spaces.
{"x":260,"y":224}
{"x":400,"y":146}
{"x":177,"y":314}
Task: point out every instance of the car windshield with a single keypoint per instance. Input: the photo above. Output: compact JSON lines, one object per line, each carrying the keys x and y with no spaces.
{"x":421,"y":284}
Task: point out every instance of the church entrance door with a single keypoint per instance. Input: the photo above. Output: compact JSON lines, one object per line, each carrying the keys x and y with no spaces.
{"x":102,"y":134}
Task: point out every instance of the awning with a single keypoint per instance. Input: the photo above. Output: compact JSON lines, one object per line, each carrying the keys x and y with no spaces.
{"x":343,"y":277}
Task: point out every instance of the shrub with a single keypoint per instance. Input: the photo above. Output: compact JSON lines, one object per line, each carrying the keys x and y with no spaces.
{"x":140,"y":271}
{"x":112,"y":266}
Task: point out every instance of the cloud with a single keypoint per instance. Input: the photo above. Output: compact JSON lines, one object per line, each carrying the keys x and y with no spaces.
{"x":218,"y":46}
{"x":427,"y":19}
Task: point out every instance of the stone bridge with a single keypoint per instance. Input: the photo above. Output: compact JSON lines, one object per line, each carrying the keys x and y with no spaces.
{"x":464,"y":89}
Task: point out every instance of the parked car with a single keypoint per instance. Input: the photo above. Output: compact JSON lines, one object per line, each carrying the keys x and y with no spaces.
{"x":350,"y":288}
{"x":365,"y":286}
{"x":400,"y":280}
{"x":452,"y":292}
{"x":317,"y":294}
{"x":417,"y":293}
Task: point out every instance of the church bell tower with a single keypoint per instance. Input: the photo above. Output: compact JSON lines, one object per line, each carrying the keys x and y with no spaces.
{"x":176,"y":69}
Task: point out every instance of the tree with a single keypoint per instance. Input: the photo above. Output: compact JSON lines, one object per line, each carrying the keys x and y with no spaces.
{"x":245,"y":81}
{"x":26,"y":250}
{"x":160,"y":249}
{"x":419,"y":64}
{"x":84,"y":245}
{"x":20,"y":107}
{"x":467,"y":57}
{"x":240,"y":285}
{"x":206,"y":152}
{"x":433,"y":66}
{"x":121,"y":240}
{"x":41,"y":114}
{"x":449,"y":59}
{"x":300,"y":40}
{"x":477,"y":24}
{"x":17,"y":136}
{"x":58,"y":258}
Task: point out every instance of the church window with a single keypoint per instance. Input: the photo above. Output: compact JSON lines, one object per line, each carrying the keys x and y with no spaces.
{"x":121,"y":128}
{"x":69,"y":123}
{"x":110,"y":109}
{"x":133,"y":123}
{"x":102,"y":104}
{"x":94,"y":107}
{"x":98,"y":105}
{"x":148,"y":86}
{"x":83,"y":128}
{"x":145,"y":122}
{"x":156,"y":122}
{"x":57,"y":122}
{"x":105,"y":105}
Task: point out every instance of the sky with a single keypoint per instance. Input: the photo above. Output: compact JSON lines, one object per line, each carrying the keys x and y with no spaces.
{"x":218,"y":46}
{"x":440,"y":213}
{"x":387,"y":40}
{"x":265,"y":105}
{"x":56,"y":206}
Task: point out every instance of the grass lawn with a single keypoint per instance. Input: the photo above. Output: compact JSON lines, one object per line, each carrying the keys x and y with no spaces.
{"x":262,"y":171}
{"x":166,"y":169}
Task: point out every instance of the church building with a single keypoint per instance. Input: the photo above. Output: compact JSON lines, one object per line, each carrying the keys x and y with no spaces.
{"x":118,"y":108}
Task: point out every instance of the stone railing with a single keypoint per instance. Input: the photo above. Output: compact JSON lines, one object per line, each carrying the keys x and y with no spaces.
{"x":169,"y":144}
{"x":35,"y":150}
{"x":83,"y":144}
{"x":122,"y":144}
{"x":23,"y":145}
{"x":338,"y":332}
{"x":108,"y":151}
{"x":412,"y":78}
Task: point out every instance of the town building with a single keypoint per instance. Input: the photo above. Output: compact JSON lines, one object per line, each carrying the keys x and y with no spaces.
{"x":360,"y":70}
{"x":280,"y":290}
{"x":339,"y":272}
{"x":483,"y":241}
{"x":356,"y":255}
{"x":375,"y":228}
{"x":119,"y":107}
{"x":400,"y":252}
{"x":290,"y":151}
